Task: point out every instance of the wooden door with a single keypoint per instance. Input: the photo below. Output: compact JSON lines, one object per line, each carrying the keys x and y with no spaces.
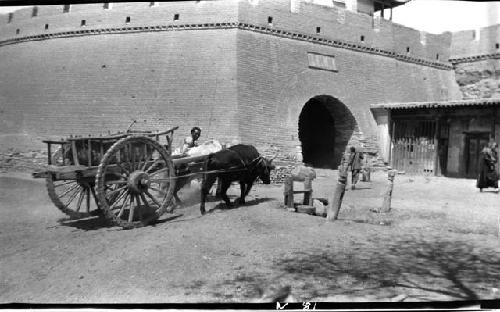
{"x":414,"y":146}
{"x":474,"y":143}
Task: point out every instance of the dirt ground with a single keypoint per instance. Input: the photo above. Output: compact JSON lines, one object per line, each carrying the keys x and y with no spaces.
{"x":439,"y":242}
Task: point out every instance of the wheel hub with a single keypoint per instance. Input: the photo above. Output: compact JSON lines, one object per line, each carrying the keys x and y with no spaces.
{"x":138,"y":182}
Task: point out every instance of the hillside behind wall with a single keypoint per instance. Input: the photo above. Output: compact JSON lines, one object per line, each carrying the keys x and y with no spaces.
{"x":476,"y":58}
{"x":220,"y":65}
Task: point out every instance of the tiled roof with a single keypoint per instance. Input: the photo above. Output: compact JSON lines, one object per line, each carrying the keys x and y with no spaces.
{"x":437,"y":104}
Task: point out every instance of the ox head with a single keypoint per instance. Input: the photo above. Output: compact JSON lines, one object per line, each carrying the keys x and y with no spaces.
{"x":264,"y":168}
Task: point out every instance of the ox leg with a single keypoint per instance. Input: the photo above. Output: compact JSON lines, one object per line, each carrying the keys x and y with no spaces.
{"x":223,"y":189}
{"x":249,"y":187}
{"x":241,"y":200}
{"x":208,"y":181}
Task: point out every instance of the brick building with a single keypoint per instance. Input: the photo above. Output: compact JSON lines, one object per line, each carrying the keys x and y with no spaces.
{"x":293,"y":76}
{"x":446,"y":137}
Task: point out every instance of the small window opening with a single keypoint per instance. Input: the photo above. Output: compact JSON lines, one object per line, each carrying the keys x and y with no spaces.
{"x":362,"y":38}
{"x":127,"y":20}
{"x":34,"y":12}
{"x":46,"y":26}
{"x":18,"y":31}
{"x":318,"y":30}
{"x":437,"y":56}
{"x":66,"y":8}
{"x":497,"y":45}
{"x":176,"y":17}
{"x":83,"y":23}
{"x":153,"y":4}
{"x":407,"y":49}
{"x":106,"y":6}
{"x":11,"y":17}
{"x":270,"y":20}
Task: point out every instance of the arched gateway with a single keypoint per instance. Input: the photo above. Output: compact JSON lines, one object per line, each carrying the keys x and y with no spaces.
{"x":325,"y":127}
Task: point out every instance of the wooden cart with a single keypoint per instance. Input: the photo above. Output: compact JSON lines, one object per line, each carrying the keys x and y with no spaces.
{"x":128,"y":178}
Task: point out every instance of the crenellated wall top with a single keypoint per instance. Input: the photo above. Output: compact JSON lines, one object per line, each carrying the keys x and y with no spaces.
{"x":478,"y":44}
{"x":295,"y":19}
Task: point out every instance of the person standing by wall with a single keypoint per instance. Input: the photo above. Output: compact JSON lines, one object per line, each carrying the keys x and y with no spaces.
{"x":355,"y":165}
{"x":488,"y":176}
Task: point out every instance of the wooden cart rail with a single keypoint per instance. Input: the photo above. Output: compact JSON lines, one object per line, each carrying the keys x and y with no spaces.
{"x":129,"y":178}
{"x":92,"y":148}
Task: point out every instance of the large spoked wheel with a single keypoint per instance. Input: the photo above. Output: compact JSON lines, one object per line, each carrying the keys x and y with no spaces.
{"x":135,"y":182}
{"x":75,"y":198}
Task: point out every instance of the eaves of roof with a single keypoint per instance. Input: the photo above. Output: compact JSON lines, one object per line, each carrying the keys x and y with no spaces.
{"x":437,"y":104}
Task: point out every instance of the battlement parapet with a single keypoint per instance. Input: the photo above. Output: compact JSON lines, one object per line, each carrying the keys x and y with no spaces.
{"x":471,"y":45}
{"x":309,"y":22}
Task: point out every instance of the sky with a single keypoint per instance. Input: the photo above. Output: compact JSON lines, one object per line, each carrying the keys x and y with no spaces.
{"x":433,"y":16}
{"x":437,"y":16}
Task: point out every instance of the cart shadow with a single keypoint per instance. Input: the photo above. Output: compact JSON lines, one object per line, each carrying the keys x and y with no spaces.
{"x":97,"y":223}
{"x":87,"y":224}
{"x":221,"y":206}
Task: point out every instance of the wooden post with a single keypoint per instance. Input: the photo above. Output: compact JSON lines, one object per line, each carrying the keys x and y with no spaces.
{"x":288,"y":192}
{"x":437,"y":134}
{"x":335,"y":202}
{"x":365,"y":176}
{"x":89,"y":153}
{"x":386,"y":205}
{"x":49,"y":151}
{"x":307,"y":191}
{"x":76,"y":162}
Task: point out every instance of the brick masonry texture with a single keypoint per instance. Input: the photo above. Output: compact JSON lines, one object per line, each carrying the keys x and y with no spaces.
{"x":474,"y":43}
{"x":235,"y":81}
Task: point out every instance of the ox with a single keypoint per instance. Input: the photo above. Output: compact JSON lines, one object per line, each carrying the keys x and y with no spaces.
{"x":237,"y":163}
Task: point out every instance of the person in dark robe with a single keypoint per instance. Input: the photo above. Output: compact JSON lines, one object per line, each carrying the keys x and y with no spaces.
{"x":355,"y":164}
{"x":488,"y":176}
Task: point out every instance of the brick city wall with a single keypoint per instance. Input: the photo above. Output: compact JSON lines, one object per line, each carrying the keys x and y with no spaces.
{"x":223,"y":65}
{"x":475,"y":43}
{"x":91,"y":85}
{"x":275,"y":82}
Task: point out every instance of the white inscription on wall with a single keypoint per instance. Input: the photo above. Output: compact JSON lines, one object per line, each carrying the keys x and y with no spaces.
{"x":321,"y":61}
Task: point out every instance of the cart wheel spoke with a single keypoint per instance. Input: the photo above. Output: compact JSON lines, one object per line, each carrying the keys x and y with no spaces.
{"x":118,"y":182}
{"x":144,"y":199}
{"x":158,"y":190}
{"x":128,"y":187}
{"x":80,"y":200}
{"x":154,"y":165}
{"x":73,"y":187}
{"x":117,"y":199}
{"x":68,"y":196}
{"x":131,"y":210}
{"x":153,"y":199}
{"x":72,"y":197}
{"x":124,"y":204}
{"x":64,"y":183}
{"x":92,"y":190}
{"x":139,"y":208}
{"x":88,"y":200}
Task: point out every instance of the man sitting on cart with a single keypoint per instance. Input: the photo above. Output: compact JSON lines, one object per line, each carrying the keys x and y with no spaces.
{"x":191,"y":141}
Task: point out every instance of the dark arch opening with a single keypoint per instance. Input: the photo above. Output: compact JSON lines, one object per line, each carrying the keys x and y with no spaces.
{"x":325,"y":127}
